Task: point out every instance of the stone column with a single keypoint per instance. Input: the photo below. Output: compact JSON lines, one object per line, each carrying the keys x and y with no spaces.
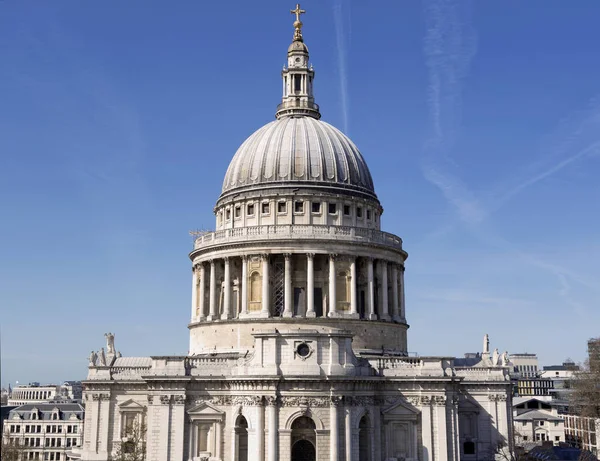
{"x":332,"y":288}
{"x":395,"y":305}
{"x":287,"y":311}
{"x":348,"y":431}
{"x":385,"y":315}
{"x":194,"y":293}
{"x":260,"y":433}
{"x":227,"y":291}
{"x":334,"y":435}
{"x":266,"y":310}
{"x":212,"y":292}
{"x":218,"y":438}
{"x":273,"y":428}
{"x":201,"y":295}
{"x":402,"y":301}
{"x":370,"y":290}
{"x":310,"y":285}
{"x":244,"y":294}
{"x":353,"y":280}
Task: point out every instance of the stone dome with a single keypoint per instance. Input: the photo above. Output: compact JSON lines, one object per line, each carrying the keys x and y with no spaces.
{"x":299,"y":151}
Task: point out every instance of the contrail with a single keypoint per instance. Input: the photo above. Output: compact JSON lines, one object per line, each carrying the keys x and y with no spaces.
{"x":341,"y":39}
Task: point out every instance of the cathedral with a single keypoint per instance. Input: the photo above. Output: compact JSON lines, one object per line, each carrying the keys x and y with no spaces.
{"x":298,"y":328}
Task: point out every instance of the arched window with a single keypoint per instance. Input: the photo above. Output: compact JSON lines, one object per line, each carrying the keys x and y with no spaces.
{"x":364,"y":439}
{"x":255,"y":287}
{"x":304,"y":439}
{"x":241,"y":439}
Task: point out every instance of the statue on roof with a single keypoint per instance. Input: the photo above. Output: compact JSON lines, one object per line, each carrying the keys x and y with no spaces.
{"x":505,"y":359}
{"x":495,"y":357}
{"x":102,"y":358}
{"x":486,"y":344}
{"x":110,"y":343}
{"x":93,"y":357}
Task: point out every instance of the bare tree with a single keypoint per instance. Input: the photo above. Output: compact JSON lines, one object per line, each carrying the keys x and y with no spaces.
{"x":133,"y":443}
{"x":11,"y":450}
{"x":585,"y":398}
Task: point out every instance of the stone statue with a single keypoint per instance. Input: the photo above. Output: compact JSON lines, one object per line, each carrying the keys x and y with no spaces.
{"x":119,"y":355}
{"x":110,"y":343}
{"x":93,"y":358}
{"x":102,"y":358}
{"x":486,"y":344}
{"x":495,"y":357}
{"x":505,"y":360}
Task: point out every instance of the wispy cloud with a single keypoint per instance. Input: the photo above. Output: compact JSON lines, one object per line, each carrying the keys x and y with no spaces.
{"x":341,"y":13}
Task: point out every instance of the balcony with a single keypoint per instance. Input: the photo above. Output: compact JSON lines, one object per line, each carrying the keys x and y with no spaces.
{"x":297,"y":232}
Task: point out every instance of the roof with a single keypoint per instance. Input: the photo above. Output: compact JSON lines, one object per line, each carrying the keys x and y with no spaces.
{"x":45,"y":410}
{"x":133,"y":362}
{"x":298,"y":151}
{"x":536,"y":415}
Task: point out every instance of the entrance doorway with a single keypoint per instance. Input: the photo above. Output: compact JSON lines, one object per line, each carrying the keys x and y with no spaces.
{"x":304,"y":439}
{"x":303,"y":450}
{"x":241,"y":435}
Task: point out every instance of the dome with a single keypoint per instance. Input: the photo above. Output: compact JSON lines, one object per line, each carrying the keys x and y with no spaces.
{"x":299,"y":151}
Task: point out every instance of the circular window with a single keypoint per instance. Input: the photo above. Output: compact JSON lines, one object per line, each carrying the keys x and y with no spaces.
{"x":303,"y":350}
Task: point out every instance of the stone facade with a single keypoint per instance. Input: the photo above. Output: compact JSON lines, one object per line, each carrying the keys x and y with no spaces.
{"x":298,"y":330}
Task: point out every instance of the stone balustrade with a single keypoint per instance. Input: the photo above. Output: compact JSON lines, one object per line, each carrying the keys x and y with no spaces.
{"x":297,"y":232}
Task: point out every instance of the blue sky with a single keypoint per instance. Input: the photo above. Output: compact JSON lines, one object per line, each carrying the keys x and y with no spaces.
{"x":480,"y":122}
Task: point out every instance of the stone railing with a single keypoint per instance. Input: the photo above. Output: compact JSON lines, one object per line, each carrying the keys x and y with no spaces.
{"x":482,"y":374}
{"x":297,"y":231}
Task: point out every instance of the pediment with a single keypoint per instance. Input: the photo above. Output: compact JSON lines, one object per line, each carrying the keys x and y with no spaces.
{"x":205,"y":409}
{"x":400,"y":408}
{"x":131,"y":405}
{"x":17,"y":416}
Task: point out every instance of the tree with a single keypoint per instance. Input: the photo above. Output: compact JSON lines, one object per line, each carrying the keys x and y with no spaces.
{"x":11,"y":450}
{"x":133,"y":443}
{"x":585,"y":398}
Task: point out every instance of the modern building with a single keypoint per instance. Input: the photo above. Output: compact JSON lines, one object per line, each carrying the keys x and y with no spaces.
{"x":525,"y":364}
{"x":46,"y":431}
{"x":34,"y":393}
{"x":298,"y":331}
{"x":561,"y":377}
{"x":582,"y":432}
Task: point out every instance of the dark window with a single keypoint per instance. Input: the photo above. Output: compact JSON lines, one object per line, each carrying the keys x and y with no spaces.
{"x":299,"y":207}
{"x":297,"y":83}
{"x":469,"y":448}
{"x":238,"y":211}
{"x":281,"y":206}
{"x":347,"y":210}
{"x":368,"y":214}
{"x":251,"y":209}
{"x":265,"y":208}
{"x":316,"y":207}
{"x":359,"y":212}
{"x":228,"y":217}
{"x":332,"y":208}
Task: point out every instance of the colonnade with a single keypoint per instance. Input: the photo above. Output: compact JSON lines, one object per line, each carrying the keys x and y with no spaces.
{"x":31,"y":394}
{"x":375,"y":307}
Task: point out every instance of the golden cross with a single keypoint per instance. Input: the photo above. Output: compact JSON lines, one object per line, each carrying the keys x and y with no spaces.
{"x":298,"y":12}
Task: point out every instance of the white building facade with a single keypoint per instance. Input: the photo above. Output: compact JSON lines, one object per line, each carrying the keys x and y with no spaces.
{"x":298,"y":331}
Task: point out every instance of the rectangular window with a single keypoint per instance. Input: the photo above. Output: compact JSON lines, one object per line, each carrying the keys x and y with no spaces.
{"x":368,"y":214}
{"x":332,"y":208}
{"x":250,"y":209}
{"x":228,"y":214}
{"x":316,"y":207}
{"x":299,"y":207}
{"x":74,"y":429}
{"x":265,"y":208}
{"x":281,"y":207}
{"x":297,"y":83}
{"x":359,"y":212}
{"x":346,"y":210}
{"x":557,"y":438}
{"x":238,"y":211}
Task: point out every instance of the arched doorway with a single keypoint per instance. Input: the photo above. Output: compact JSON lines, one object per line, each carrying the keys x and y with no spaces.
{"x":364,"y":439}
{"x":241,"y":439}
{"x":304,"y":439}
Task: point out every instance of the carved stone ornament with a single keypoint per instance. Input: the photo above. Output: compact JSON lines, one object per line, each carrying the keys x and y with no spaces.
{"x":439,"y":400}
{"x":271,"y":400}
{"x":497,"y":397}
{"x":337,"y":400}
{"x":165,"y":399}
{"x":98,"y":397}
{"x":150,"y":399}
{"x":221,"y":400}
{"x":302,"y":401}
{"x":247,"y":400}
{"x":361,"y":400}
{"x":179,"y":399}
